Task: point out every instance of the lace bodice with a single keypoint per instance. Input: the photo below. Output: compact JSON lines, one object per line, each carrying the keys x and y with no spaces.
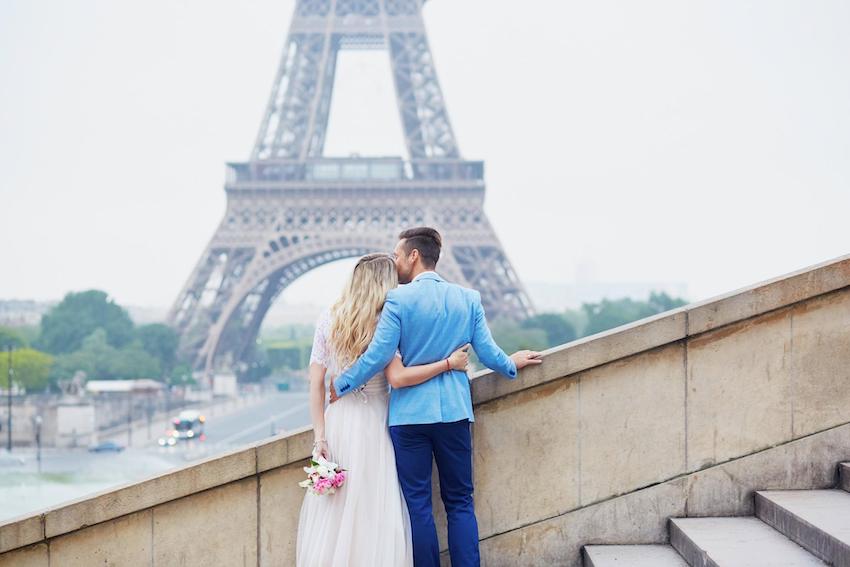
{"x":323,"y":354}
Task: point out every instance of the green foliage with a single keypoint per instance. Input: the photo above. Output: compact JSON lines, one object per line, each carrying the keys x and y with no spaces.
{"x":577,"y":318}
{"x":133,"y":361}
{"x":557,"y":328}
{"x":512,"y":336}
{"x":289,"y":355}
{"x":29,"y":333}
{"x":287,"y":333}
{"x":102,"y":361}
{"x":181,"y":375}
{"x":77,"y":316}
{"x":546,"y":330}
{"x":286,"y":347}
{"x":160,"y":341}
{"x":91,"y":333}
{"x":258,"y":368}
{"x":662,"y":302}
{"x":11,"y":338}
{"x":608,"y":314}
{"x":31,"y":368}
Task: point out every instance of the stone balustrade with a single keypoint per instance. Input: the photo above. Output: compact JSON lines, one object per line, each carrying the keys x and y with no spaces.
{"x":679,"y":414}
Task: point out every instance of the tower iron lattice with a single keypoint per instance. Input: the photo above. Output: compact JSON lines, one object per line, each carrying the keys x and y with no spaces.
{"x":290,"y":209}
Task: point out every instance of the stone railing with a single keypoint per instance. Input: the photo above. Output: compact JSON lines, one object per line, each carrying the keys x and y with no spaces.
{"x":679,"y":414}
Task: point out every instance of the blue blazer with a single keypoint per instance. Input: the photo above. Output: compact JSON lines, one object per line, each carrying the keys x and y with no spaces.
{"x":426,"y":321}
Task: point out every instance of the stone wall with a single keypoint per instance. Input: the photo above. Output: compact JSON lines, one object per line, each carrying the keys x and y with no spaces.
{"x":681,"y":414}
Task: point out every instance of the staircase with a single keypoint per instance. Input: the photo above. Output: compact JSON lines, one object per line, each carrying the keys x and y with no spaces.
{"x":790,"y":528}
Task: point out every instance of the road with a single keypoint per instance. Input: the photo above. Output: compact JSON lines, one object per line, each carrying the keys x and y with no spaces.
{"x":274,"y":415}
{"x":71,"y":473}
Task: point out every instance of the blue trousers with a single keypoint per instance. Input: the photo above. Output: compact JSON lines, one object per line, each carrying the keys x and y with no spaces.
{"x":450,"y":445}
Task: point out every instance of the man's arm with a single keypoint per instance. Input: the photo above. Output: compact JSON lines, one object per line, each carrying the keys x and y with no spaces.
{"x":486,"y":348}
{"x":380,"y":352}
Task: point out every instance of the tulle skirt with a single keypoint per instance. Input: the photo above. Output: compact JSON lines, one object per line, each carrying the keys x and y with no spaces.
{"x":365,"y":523}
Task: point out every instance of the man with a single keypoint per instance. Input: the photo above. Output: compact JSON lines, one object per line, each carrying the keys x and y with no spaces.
{"x":425,"y":321}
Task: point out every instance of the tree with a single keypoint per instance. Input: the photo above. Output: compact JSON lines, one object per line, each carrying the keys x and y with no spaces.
{"x":181,"y":375}
{"x":29,"y":333}
{"x":661,"y":302}
{"x":577,"y":318}
{"x":31,"y":368}
{"x":290,"y":355}
{"x":558,"y":330}
{"x":608,"y":314}
{"x":64,"y":327}
{"x":511,"y":337}
{"x":101,"y":361}
{"x":258,"y":367}
{"x":160,"y":341}
{"x":92,"y":357}
{"x":11,"y":338}
{"x":132,"y":361}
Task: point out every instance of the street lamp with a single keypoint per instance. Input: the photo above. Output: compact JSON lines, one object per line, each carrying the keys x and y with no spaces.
{"x":37,"y":420}
{"x":149,"y":412}
{"x":129,"y":418}
{"x":9,"y":425}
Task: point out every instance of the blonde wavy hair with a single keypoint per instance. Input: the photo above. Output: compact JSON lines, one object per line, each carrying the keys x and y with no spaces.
{"x":356,"y":312}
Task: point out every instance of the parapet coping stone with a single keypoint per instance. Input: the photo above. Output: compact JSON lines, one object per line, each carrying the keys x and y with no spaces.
{"x":669,"y":327}
{"x":558,"y":363}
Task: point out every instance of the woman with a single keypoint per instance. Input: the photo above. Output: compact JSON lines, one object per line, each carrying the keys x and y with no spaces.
{"x":365,"y":524}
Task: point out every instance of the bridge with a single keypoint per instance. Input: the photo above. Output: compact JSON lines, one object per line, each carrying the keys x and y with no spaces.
{"x":638,"y":435}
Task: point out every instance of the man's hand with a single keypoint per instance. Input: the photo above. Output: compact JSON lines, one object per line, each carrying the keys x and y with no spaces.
{"x":523,"y":358}
{"x":334,"y":397}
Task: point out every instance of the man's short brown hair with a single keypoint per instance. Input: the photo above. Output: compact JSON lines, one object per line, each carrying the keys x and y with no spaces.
{"x":427,"y":240}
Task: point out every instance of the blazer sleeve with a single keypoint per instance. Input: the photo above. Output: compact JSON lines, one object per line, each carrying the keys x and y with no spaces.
{"x":485,"y":347}
{"x":380,"y":352}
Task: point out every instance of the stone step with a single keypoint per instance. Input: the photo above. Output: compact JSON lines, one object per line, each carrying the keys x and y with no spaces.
{"x":819,"y":520}
{"x":632,"y":555}
{"x":735,"y":542}
{"x":844,"y":476}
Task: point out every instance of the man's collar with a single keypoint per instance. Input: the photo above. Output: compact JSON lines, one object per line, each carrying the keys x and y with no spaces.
{"x":429,"y":275}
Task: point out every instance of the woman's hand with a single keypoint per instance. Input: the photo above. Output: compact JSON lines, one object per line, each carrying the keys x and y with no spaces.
{"x":320,"y":449}
{"x":459,"y":359}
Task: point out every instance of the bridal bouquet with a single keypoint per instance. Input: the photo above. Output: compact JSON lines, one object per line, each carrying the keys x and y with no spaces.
{"x":323,"y":477}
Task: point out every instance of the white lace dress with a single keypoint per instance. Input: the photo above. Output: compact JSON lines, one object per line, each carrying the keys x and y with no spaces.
{"x":366,"y":523}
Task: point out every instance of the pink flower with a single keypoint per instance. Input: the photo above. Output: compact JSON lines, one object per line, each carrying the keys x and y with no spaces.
{"x":322,"y":485}
{"x":339,"y":479}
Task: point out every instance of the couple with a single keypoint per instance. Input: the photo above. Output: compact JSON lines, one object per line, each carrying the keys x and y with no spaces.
{"x":393,"y":358}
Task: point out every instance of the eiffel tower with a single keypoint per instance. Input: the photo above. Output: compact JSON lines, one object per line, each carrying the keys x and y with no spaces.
{"x":290,"y":209}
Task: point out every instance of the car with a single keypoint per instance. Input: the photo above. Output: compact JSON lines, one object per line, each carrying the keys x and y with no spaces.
{"x":188,"y":425}
{"x":106,"y":447}
{"x":170,"y":441}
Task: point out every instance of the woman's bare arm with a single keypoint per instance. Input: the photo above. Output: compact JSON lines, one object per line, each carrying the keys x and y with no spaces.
{"x":317,"y":408}
{"x":401,"y":376}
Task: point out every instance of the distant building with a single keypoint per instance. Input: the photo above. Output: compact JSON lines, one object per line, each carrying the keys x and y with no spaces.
{"x":141,"y":385}
{"x":23,"y":312}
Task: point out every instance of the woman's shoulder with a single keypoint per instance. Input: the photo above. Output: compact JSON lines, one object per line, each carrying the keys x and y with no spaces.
{"x":323,"y":322}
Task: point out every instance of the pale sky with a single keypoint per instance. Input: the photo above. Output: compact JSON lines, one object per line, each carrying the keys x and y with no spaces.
{"x":698,"y":142}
